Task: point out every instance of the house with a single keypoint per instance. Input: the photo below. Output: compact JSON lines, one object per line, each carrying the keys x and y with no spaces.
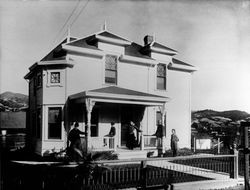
{"x":104,"y":78}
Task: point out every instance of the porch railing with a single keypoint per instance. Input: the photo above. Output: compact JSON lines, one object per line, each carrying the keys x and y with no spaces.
{"x":150,"y":141}
{"x":102,"y":143}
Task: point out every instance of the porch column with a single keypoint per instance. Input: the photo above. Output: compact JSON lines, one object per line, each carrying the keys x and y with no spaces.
{"x":142,"y":137}
{"x":163,"y":110}
{"x":89,"y":106}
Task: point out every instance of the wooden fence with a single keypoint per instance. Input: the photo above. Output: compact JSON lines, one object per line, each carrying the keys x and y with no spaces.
{"x":117,"y":174}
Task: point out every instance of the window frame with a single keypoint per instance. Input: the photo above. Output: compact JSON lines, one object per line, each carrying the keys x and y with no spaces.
{"x":49,"y":83}
{"x":106,"y":69}
{"x":47,"y":137}
{"x":161,"y":77}
{"x":39,"y":81}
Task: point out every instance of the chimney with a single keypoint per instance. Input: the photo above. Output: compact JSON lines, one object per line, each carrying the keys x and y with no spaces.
{"x":148,"y":39}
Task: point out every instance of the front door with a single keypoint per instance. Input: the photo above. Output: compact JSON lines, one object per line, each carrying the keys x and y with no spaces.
{"x":130,"y":113}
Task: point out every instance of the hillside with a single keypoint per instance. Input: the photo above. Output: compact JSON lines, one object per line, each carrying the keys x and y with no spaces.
{"x":10,"y":101}
{"x":234,"y":115}
{"x":214,"y":124}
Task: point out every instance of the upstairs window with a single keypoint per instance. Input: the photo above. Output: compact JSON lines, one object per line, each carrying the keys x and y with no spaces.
{"x":39,"y":80}
{"x":54,"y":123}
{"x":111,"y":69}
{"x":161,"y":77}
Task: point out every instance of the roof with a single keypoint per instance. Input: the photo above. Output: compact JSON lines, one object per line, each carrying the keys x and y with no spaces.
{"x":135,"y":50}
{"x":83,"y":42}
{"x":111,"y":35}
{"x":123,"y":91}
{"x":114,"y":94}
{"x":58,"y":52}
{"x":181,"y":66}
{"x":176,"y":61}
{"x":157,"y":45}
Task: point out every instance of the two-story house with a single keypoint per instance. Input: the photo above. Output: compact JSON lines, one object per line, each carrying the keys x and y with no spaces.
{"x":104,"y":78}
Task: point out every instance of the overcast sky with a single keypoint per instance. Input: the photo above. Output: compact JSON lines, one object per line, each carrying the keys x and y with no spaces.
{"x":213,"y":35}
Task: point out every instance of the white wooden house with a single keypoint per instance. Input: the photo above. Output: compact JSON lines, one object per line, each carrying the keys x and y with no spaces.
{"x":105,"y":78}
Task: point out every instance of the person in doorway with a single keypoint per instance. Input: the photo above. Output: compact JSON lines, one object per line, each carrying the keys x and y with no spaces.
{"x":75,"y":147}
{"x":132,"y":134}
{"x":174,"y":142}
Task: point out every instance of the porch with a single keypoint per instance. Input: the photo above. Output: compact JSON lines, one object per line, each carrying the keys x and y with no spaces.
{"x":151,"y":145}
{"x":96,"y":109}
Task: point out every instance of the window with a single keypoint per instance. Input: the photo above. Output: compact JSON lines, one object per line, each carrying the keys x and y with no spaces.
{"x":39,"y":80}
{"x":55,"y":77}
{"x":94,"y":123}
{"x":38,"y":123}
{"x":54,"y":122}
{"x":111,"y":69}
{"x":158,"y":117}
{"x":34,"y":85}
{"x":161,"y":77}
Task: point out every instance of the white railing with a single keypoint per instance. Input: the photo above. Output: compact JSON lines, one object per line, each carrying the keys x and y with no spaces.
{"x":102,"y":143}
{"x":109,"y":142}
{"x":150,"y":141}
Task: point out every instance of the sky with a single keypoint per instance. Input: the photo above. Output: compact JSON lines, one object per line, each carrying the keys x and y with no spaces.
{"x":213,"y":35}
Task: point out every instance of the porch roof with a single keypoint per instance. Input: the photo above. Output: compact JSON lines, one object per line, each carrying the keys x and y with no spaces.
{"x":114,"y":94}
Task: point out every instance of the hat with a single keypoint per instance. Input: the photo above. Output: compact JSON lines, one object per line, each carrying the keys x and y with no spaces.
{"x":112,"y":123}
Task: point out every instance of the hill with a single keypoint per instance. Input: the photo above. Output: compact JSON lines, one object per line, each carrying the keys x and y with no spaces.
{"x":214,"y":124}
{"x":10,"y":101}
{"x":234,"y":115}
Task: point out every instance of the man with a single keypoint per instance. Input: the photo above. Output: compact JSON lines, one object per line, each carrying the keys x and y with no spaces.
{"x":159,"y":133}
{"x":174,"y":142}
{"x":75,"y":142}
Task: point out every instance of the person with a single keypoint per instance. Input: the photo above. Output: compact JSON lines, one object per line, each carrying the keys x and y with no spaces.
{"x":75,"y":147}
{"x":111,"y":133}
{"x":174,"y":142}
{"x":131,"y":137}
{"x":159,"y":133}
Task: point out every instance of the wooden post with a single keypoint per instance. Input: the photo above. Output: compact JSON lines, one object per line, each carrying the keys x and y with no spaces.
{"x":89,"y":106}
{"x":143,"y":176}
{"x":236,"y":166}
{"x":246,"y":126}
{"x":194,"y":144}
{"x":218,"y":145}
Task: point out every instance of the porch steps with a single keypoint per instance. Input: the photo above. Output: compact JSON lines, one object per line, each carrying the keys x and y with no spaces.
{"x":131,"y":154}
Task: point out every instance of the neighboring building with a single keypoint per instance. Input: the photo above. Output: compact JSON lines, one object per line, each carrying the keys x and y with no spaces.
{"x":103,"y":78}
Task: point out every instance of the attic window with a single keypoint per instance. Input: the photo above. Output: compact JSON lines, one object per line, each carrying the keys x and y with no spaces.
{"x":161,"y":77}
{"x":55,"y":77}
{"x":111,"y":69}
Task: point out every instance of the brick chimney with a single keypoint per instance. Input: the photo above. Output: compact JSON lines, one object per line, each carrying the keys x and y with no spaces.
{"x":148,"y":39}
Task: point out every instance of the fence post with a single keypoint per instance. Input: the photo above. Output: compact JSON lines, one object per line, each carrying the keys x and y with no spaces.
{"x":218,"y":145}
{"x":236,"y":164}
{"x":194,"y":144}
{"x":246,"y":125}
{"x":144,"y":174}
